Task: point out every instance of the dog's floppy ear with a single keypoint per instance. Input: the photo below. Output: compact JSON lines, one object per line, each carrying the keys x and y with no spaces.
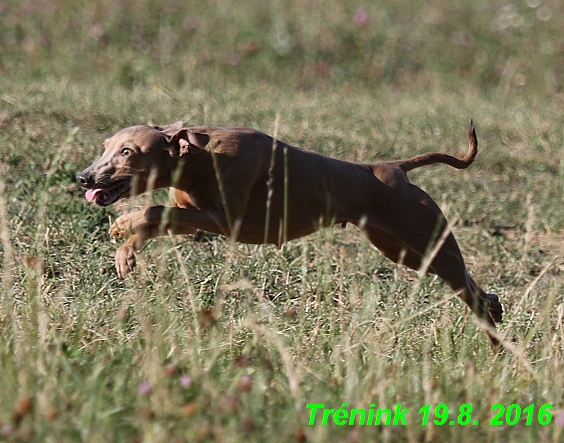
{"x":170,"y":129}
{"x":186,"y":141}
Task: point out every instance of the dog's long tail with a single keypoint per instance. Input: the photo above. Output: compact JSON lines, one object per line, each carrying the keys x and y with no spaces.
{"x":437,"y":157}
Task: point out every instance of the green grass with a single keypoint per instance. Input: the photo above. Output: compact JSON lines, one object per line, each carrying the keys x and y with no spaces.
{"x":215,"y":341}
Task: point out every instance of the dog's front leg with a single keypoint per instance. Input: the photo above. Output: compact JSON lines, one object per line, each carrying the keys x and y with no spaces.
{"x":125,"y":226}
{"x":158,"y":221}
{"x":140,"y":227}
{"x":125,"y":256}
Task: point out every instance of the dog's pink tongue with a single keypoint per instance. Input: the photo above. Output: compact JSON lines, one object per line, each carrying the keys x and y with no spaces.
{"x":91,"y":194}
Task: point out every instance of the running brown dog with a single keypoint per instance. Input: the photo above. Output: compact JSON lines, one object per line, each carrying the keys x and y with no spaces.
{"x":246,"y":185}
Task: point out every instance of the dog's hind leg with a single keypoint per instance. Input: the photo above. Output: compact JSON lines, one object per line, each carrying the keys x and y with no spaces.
{"x":392,"y":248}
{"x":447,"y":264}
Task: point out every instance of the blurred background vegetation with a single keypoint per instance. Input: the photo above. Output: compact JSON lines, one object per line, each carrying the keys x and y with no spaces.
{"x":404,"y":44}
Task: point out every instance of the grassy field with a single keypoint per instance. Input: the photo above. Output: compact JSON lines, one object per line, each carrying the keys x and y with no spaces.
{"x":215,"y":341}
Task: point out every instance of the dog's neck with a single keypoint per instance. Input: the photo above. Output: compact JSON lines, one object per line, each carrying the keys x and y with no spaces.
{"x":194,"y":174}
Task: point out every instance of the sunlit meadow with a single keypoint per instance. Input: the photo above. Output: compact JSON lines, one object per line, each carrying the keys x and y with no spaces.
{"x":215,"y":341}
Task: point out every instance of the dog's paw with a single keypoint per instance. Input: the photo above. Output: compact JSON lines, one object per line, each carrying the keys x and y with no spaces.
{"x":125,"y":260}
{"x":122,"y":227}
{"x":496,"y":311}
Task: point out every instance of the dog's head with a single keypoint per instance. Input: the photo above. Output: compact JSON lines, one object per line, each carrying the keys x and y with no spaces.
{"x":138,"y":159}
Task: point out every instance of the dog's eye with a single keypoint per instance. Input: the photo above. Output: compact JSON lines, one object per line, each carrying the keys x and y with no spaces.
{"x":126,"y":152}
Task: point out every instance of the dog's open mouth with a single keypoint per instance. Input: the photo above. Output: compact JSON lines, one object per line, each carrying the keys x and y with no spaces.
{"x":108,"y":195}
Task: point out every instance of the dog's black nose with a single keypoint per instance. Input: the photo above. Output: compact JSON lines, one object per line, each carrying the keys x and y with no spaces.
{"x":84,"y":179}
